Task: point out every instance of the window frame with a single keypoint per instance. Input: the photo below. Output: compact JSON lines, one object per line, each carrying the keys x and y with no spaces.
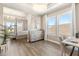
{"x":57,"y":15}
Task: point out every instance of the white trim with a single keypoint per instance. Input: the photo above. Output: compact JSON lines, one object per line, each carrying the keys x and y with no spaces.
{"x":74,"y":18}
{"x":53,"y":41}
{"x":58,"y":12}
{"x":45,"y":36}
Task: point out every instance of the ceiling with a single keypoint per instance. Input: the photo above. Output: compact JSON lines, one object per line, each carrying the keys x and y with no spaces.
{"x":34,"y":8}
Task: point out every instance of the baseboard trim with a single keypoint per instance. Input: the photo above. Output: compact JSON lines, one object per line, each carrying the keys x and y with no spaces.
{"x":56,"y":42}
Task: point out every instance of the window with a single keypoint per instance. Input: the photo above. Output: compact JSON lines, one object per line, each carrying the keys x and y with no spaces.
{"x":51,"y":23}
{"x":10,"y":26}
{"x":65,"y":23}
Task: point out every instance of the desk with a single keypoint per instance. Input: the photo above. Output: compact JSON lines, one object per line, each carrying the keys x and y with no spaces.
{"x":72,"y":42}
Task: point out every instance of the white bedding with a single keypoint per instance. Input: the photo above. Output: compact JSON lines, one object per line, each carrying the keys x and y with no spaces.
{"x":19,"y":34}
{"x":22,"y":33}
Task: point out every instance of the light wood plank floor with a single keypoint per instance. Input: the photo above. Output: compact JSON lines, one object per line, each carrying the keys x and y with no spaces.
{"x":41,"y":48}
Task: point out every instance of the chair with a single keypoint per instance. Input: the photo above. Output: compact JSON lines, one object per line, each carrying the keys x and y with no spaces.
{"x":67,"y":49}
{"x":61,"y":38}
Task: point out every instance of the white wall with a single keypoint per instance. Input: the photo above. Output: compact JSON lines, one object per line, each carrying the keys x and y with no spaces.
{"x":34,"y":22}
{"x":29,"y":21}
{"x":44,"y":19}
{"x":1,"y":14}
{"x":77,"y":16}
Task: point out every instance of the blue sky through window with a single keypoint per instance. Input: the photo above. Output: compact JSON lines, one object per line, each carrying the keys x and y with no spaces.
{"x":51,"y":21}
{"x":8,"y":24}
{"x":64,"y":19}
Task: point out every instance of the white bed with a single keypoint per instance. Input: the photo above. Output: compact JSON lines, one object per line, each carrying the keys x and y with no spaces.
{"x":19,"y":34}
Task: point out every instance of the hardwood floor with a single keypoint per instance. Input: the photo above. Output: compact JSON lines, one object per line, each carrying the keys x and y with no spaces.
{"x":41,"y":48}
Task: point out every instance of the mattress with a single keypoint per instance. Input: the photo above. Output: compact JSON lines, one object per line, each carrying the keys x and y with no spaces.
{"x":19,"y":34}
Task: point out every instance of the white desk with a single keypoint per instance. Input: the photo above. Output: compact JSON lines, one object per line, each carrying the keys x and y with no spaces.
{"x":72,"y":42}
